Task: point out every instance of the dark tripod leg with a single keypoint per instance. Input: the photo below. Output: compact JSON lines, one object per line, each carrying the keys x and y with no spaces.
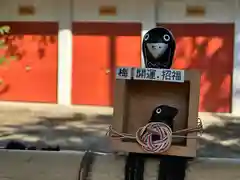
{"x":134,"y":167}
{"x":139,"y":167}
{"x":172,"y":168}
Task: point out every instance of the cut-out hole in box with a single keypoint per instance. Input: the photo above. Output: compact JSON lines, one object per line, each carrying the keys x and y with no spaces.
{"x":141,"y":101}
{"x":135,"y":100}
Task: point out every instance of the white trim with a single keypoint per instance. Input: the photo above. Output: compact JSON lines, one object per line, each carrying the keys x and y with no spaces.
{"x":236,"y":65}
{"x":65,"y":52}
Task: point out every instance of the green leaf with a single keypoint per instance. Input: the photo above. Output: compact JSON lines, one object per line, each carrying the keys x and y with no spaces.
{"x":4,"y":30}
{"x":2,"y":60}
{"x":3,"y":46}
{"x":13,"y":58}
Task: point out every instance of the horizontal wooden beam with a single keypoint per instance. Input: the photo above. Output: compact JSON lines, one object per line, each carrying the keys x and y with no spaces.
{"x":65,"y":165}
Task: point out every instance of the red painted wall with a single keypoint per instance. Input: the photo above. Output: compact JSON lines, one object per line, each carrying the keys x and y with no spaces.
{"x":97,"y":49}
{"x":208,"y":48}
{"x":32,"y":76}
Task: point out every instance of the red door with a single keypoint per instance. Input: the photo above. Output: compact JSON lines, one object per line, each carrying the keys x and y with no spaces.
{"x":32,"y":75}
{"x":208,"y":48}
{"x":97,"y":49}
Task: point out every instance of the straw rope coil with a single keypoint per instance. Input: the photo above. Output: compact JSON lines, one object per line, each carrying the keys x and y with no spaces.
{"x":144,"y":135}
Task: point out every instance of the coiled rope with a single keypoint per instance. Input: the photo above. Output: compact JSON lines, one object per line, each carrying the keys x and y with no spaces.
{"x":144,"y":135}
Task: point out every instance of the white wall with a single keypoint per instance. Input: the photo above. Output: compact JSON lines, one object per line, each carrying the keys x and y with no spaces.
{"x":147,"y":12}
{"x":88,"y":10}
{"x":216,"y":11}
{"x":45,"y":10}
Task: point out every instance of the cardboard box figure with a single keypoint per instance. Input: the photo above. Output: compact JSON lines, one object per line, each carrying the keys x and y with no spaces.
{"x":140,"y":92}
{"x":156,"y":111}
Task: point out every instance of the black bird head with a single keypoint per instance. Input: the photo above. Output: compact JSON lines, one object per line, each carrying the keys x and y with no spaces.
{"x":164,"y":114}
{"x":158,"y":48}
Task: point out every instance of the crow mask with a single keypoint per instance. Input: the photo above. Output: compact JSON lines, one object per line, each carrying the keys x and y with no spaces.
{"x":158,"y":48}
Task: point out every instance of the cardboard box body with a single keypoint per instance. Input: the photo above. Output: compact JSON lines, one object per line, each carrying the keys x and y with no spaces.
{"x":134,"y":101}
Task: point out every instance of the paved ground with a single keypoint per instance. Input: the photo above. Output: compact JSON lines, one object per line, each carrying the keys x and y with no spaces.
{"x":78,"y":128}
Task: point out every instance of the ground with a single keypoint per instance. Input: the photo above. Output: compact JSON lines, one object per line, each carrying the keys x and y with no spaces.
{"x":80,"y":128}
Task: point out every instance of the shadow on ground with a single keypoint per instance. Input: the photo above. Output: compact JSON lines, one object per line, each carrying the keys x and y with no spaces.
{"x":76,"y":132}
{"x":223,"y":140}
{"x":79,"y":132}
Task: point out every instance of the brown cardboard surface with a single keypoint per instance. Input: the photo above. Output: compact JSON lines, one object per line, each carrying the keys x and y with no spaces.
{"x":135,"y":100}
